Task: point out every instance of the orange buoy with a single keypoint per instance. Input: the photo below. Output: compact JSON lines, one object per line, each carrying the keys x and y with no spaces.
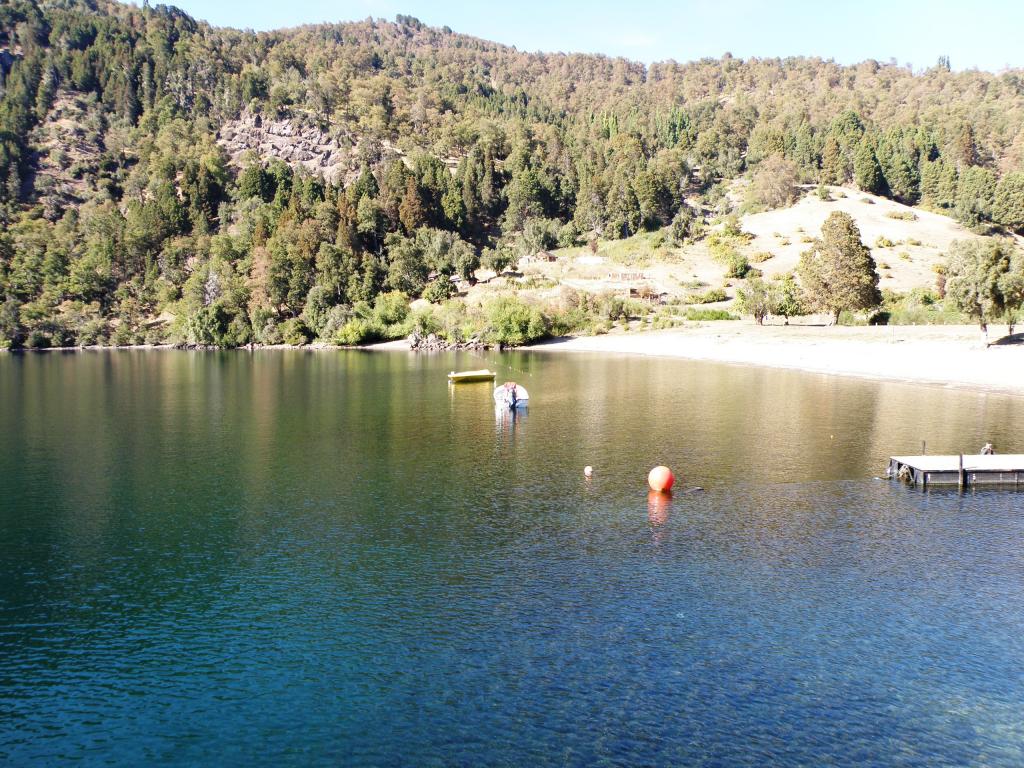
{"x":660,"y":478}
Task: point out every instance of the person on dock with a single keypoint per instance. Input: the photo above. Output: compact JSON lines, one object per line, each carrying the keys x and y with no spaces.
{"x":987,"y":450}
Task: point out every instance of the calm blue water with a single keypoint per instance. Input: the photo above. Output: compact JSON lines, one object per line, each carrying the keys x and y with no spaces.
{"x":285,"y":558}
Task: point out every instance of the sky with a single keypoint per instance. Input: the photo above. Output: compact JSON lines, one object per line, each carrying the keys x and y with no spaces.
{"x":983,"y":34}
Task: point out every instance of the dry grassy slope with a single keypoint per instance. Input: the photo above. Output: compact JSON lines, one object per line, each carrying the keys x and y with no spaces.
{"x":67,"y":145}
{"x":919,"y":244}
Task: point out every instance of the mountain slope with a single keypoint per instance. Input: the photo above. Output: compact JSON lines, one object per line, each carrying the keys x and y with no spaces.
{"x":251,"y":184}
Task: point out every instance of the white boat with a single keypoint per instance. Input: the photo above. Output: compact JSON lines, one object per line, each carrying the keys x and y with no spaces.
{"x":511,"y":395}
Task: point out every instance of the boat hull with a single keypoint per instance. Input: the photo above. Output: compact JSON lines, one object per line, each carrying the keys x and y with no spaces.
{"x":467,"y":377}
{"x":522,"y":397}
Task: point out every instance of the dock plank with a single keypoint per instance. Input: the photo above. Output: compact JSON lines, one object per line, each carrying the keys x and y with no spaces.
{"x":1005,"y":462}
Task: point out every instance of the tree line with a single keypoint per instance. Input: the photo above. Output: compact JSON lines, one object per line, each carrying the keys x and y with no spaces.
{"x":464,"y":152}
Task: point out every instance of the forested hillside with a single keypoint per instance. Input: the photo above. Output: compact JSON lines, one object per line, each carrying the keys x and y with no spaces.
{"x":166,"y":180}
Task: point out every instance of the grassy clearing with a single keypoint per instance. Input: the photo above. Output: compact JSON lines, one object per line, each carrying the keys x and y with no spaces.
{"x":640,"y":250}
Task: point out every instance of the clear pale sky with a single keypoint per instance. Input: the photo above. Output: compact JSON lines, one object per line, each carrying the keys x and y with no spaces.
{"x":985,"y":34}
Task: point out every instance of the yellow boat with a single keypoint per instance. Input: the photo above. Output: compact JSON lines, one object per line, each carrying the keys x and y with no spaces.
{"x":461,"y":377}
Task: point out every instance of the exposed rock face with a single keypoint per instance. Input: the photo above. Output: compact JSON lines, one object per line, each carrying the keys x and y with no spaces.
{"x":320,"y":151}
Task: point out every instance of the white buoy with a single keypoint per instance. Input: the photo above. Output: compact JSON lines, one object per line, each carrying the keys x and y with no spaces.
{"x":588,"y":471}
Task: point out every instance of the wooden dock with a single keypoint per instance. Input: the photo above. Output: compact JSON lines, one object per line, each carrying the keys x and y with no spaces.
{"x":962,"y":471}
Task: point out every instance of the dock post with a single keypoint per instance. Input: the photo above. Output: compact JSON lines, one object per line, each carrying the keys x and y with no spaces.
{"x":960,"y":475}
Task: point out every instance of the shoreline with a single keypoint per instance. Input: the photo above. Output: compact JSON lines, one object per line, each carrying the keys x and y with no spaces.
{"x":930,"y":355}
{"x":943,"y":356}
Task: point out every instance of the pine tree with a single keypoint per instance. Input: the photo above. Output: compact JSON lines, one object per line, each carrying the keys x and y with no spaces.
{"x":867,"y":173}
{"x":833,"y":167}
{"x":1009,"y":201}
{"x":838,"y":273}
{"x":965,"y":151}
{"x":975,"y":195}
{"x":411,"y":212}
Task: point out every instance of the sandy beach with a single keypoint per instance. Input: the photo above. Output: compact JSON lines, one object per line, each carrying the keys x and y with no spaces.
{"x":950,"y":356}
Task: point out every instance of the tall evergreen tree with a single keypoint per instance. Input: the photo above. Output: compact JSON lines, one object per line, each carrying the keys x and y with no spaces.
{"x":837,"y":273}
{"x":867,"y":173}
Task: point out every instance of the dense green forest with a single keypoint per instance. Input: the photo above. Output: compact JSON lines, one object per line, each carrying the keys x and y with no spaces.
{"x":126,"y":218}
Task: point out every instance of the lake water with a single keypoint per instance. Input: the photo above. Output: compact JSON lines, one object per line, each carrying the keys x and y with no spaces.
{"x":291,"y":558}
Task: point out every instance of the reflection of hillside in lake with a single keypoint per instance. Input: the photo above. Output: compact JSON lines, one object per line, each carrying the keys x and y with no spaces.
{"x":284,"y":553}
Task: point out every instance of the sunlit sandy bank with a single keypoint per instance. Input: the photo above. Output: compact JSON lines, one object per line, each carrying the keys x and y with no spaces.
{"x":935,"y":355}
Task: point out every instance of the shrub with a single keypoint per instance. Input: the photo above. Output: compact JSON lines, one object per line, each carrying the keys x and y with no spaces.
{"x":439,"y":290}
{"x":37,"y":340}
{"x":357,"y":331}
{"x":612,"y":307}
{"x":902,"y":215}
{"x":424,"y":322}
{"x":239,"y":332}
{"x":567,"y":235}
{"x":737,"y":265}
{"x":709,"y":314}
{"x":270,"y":333}
{"x":572,"y":320}
{"x":295,"y":332}
{"x":93,"y":331}
{"x":687,"y":225}
{"x":206,"y":326}
{"x":121,"y":337}
{"x":762,"y":256}
{"x":497,"y":259}
{"x":317,"y":306}
{"x":391,"y":308}
{"x":456,"y":322}
{"x":693,"y":285}
{"x":884,"y":242}
{"x":921,"y":306}
{"x":709,"y":297}
{"x":336,"y":317}
{"x":513,"y":322}
{"x":846,"y":317}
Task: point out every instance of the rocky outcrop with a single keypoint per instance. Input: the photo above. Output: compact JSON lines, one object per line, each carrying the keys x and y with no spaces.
{"x":325,"y":153}
{"x":434,"y":343}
